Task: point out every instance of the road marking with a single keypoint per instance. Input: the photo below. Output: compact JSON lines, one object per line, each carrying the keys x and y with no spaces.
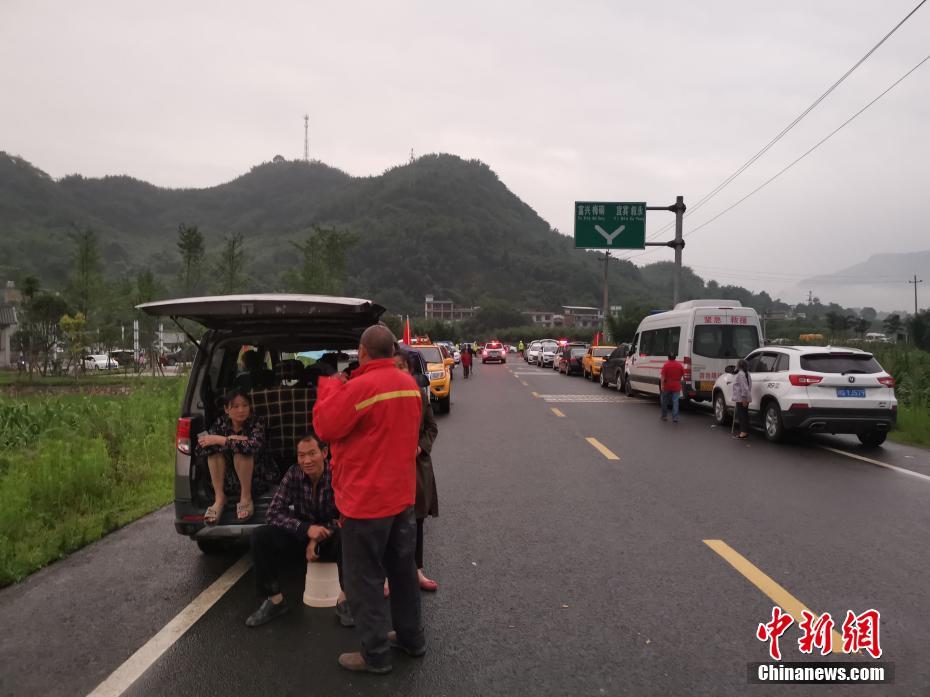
{"x":537,"y":374}
{"x":124,"y":676}
{"x":902,"y":470}
{"x":524,"y":383}
{"x":557,"y":412}
{"x":602,"y":449}
{"x":592,"y":398}
{"x":535,"y":394}
{"x":768,"y":586}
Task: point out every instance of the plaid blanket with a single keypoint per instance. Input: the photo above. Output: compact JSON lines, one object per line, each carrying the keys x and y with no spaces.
{"x":286,"y":412}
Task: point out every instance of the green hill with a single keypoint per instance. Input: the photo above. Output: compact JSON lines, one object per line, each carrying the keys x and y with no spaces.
{"x":439,"y":225}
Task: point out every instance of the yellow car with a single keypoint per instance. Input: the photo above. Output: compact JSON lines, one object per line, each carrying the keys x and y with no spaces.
{"x":593,"y":359}
{"x":440,"y":374}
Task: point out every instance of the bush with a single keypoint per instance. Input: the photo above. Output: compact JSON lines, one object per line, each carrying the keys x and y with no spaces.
{"x":79,"y":466}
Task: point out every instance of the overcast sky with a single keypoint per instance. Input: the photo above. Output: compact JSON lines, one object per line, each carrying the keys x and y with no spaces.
{"x":634,"y":101}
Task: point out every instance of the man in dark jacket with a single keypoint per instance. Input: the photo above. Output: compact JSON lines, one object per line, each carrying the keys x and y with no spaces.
{"x":372,"y":423}
{"x":302,"y":523}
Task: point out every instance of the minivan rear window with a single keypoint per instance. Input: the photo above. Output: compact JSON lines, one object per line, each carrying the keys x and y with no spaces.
{"x":724,"y":341}
{"x":840,"y":363}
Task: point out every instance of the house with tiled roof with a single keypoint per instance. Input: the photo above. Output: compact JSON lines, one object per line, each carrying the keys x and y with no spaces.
{"x":8,"y":327}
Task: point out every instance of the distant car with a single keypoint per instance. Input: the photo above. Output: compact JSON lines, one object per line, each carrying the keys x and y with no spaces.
{"x":593,"y":358}
{"x":511,"y":349}
{"x":814,"y":389}
{"x":569,"y":359}
{"x":532,"y":351}
{"x":494,"y":351}
{"x":612,"y":367}
{"x":99,"y":361}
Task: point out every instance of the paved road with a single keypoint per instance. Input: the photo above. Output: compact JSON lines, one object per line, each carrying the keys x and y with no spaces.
{"x":562,"y":572}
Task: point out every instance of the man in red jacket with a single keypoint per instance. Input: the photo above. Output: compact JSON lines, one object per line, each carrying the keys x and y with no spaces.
{"x":372,"y":425}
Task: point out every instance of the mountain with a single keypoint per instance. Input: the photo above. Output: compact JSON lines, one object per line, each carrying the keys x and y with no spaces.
{"x":880,"y":282}
{"x":439,"y":225}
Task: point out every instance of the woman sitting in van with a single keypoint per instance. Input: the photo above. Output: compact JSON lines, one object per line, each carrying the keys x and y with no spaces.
{"x":239,"y":433}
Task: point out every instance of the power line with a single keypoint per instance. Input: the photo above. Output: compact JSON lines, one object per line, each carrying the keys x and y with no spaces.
{"x":722,"y":185}
{"x":810,"y":150}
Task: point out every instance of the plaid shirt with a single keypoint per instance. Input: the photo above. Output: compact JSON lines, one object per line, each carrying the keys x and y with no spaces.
{"x":287,"y":412}
{"x":296,"y":506}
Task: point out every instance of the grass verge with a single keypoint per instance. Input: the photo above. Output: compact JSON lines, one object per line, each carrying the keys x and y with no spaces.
{"x":75,"y":467}
{"x":913,"y":426}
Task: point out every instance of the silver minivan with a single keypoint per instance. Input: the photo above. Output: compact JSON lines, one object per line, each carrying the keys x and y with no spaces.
{"x":297,"y":338}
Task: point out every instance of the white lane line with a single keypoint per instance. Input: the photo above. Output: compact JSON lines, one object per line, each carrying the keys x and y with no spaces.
{"x":902,"y":470}
{"x":124,"y":676}
{"x":540,"y":374}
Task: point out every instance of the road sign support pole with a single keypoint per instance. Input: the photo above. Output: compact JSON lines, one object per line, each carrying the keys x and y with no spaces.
{"x":606,"y":306}
{"x":678,"y":244}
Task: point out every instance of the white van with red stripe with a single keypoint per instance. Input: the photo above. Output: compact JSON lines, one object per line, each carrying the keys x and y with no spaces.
{"x":706,"y":335}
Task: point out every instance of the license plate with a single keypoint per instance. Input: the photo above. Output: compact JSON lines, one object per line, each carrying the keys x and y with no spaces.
{"x":850,"y":393}
{"x":706,"y":386}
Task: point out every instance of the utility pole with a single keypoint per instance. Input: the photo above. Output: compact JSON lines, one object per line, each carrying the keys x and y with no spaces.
{"x":915,"y":282}
{"x":306,"y":137}
{"x":606,"y":306}
{"x":810,"y":297}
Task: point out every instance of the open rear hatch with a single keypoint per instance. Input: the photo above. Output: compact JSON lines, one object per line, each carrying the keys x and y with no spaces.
{"x":270,"y":312}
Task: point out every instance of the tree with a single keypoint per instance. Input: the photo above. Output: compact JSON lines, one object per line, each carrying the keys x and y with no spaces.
{"x":836,"y":322}
{"x":861,"y":326}
{"x":323,"y":262}
{"x":868,"y":313}
{"x":84,"y":282}
{"x":918,"y":326}
{"x":892,"y":325}
{"x":30,"y":287}
{"x":40,"y":331}
{"x":72,"y":330}
{"x":230,"y":269}
{"x":191,"y":247}
{"x":147,"y":289}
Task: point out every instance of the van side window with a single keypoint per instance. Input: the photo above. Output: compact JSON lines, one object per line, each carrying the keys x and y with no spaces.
{"x":671,"y":344}
{"x":646,"y":342}
{"x":634,"y":347}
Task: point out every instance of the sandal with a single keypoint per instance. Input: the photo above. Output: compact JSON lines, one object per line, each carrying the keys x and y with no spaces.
{"x":212,"y":515}
{"x":247,"y":508}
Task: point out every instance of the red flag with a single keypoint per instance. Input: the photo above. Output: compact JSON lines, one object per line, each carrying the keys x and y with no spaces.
{"x":597,"y":338}
{"x":406,"y":338}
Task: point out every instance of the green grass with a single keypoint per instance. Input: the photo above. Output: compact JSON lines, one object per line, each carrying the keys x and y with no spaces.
{"x":75,"y":467}
{"x":913,"y":426}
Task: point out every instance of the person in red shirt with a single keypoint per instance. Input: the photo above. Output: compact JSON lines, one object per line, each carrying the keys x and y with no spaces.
{"x":372,"y":425}
{"x":670,"y":386}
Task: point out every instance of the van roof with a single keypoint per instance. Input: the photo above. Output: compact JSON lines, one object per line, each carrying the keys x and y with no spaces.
{"x":707,"y":302}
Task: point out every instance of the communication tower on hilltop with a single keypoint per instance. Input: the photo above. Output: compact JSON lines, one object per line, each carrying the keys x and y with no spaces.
{"x":306,"y":137}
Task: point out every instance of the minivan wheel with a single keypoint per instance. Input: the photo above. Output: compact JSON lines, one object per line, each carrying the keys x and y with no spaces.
{"x":872,"y":439}
{"x":721,"y":415}
{"x":771,"y":419}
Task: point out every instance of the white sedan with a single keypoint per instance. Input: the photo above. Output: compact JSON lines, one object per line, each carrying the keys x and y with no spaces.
{"x":99,"y":361}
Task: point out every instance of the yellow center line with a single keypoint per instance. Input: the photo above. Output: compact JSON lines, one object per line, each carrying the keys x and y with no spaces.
{"x":602,"y":449}
{"x":557,"y":412}
{"x":524,"y":383}
{"x":535,"y":394}
{"x":776,"y":593}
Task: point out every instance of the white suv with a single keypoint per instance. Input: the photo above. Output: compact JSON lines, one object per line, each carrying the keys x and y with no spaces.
{"x":816,"y":389}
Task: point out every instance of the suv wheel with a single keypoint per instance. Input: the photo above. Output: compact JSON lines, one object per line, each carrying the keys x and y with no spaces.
{"x":872,"y":439}
{"x":603,"y":380}
{"x":771,"y":420}
{"x":627,"y":386}
{"x":721,"y":415}
{"x":445,"y":404}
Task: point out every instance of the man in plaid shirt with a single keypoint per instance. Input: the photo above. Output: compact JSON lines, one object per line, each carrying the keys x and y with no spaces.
{"x":302,"y":523}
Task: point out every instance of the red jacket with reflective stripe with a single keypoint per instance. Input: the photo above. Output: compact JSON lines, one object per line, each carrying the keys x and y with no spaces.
{"x":372,"y":425}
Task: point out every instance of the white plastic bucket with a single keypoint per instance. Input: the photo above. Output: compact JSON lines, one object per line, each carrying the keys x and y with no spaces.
{"x":322,"y":586}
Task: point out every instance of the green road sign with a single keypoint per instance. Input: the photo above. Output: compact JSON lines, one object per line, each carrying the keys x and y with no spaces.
{"x":600,"y":225}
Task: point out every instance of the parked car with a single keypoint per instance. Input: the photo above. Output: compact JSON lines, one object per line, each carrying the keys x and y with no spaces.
{"x":532,"y":351}
{"x":440,"y":375}
{"x":814,"y":389}
{"x":706,"y":335}
{"x":594,"y":357}
{"x":547,"y":351}
{"x":99,"y":361}
{"x":279,"y":327}
{"x":494,"y":351}
{"x":569,"y":359}
{"x":612,"y":367}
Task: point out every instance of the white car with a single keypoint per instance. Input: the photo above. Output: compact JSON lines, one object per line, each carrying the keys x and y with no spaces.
{"x":532,"y":351}
{"x":814,"y":389}
{"x":547,"y":352}
{"x":99,"y":361}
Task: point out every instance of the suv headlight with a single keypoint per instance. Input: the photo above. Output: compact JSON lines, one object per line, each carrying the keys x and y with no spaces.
{"x":437,"y":375}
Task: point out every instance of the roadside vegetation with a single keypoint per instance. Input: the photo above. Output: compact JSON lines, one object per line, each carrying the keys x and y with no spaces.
{"x":77,"y":466}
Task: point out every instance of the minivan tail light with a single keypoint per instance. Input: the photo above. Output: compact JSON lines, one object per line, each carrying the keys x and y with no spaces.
{"x":182,"y":438}
{"x":804,"y":380}
{"x":687,"y":363}
{"x":887,"y":381}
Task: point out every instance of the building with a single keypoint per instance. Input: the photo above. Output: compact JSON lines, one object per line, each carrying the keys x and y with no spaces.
{"x":571,"y":316}
{"x":446,"y":310}
{"x":544,"y":319}
{"x":8,"y":327}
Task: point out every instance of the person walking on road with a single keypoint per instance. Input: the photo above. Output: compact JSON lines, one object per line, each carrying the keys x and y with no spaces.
{"x":372,"y":425}
{"x":670,"y":386}
{"x":466,"y":361}
{"x":427,"y":503}
{"x":742,"y":393}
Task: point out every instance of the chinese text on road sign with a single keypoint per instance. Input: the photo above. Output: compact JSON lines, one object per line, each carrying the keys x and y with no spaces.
{"x":602,"y":225}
